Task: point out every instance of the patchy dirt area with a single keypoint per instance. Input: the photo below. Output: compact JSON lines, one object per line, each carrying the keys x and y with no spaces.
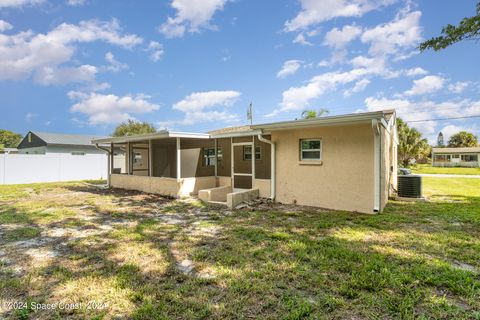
{"x":76,"y":251}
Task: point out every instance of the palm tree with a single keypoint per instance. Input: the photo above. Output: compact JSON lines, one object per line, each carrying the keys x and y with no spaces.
{"x":411,"y":144}
{"x":312,"y":114}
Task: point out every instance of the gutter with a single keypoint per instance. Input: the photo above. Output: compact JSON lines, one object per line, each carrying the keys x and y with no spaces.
{"x":377,"y":165}
{"x":272,"y":165}
{"x":109,"y":152}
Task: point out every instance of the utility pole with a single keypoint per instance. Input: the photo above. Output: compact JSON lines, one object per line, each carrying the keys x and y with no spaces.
{"x":250,"y":114}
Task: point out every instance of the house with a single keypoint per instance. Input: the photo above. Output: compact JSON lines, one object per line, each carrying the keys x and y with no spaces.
{"x":345,"y":162}
{"x":456,"y":157}
{"x":36,"y":142}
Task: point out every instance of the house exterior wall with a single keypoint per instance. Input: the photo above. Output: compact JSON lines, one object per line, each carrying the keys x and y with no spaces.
{"x":388,"y":166}
{"x":343,"y":180}
{"x":161,"y":185}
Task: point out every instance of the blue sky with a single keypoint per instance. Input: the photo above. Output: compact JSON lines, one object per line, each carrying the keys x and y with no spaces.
{"x":83,"y":66}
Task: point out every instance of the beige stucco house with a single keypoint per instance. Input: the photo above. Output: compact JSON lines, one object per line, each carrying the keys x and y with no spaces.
{"x":345,"y":162}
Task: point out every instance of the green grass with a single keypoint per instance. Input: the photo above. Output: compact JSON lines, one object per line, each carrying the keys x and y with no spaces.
{"x":414,"y":261}
{"x":428,"y":169}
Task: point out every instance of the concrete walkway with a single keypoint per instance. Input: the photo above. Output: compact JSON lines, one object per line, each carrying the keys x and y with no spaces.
{"x":441,"y":175}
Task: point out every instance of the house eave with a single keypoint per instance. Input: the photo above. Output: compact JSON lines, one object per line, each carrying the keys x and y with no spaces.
{"x":152,"y":136}
{"x":350,"y":119}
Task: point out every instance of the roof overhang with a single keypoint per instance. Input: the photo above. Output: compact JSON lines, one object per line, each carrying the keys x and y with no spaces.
{"x":349,"y":119}
{"x":236,"y":134}
{"x":152,"y":136}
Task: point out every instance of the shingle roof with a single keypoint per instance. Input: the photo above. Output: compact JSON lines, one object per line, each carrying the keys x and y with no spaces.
{"x":230,"y":130}
{"x":456,"y":150}
{"x":66,"y":139}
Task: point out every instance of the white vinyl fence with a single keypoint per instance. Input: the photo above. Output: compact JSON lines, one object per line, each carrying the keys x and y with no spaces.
{"x":30,"y":168}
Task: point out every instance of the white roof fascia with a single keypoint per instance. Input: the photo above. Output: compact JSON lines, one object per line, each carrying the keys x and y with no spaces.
{"x":326,"y":121}
{"x":236,"y":134}
{"x":153,"y":136}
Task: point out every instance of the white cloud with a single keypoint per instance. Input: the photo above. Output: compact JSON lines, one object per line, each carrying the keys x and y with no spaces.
{"x":450,"y":129}
{"x":300,"y":39}
{"x":58,"y":76}
{"x":44,"y":55}
{"x":191,"y":17}
{"x":297,"y":98}
{"x":339,"y":38}
{"x":114,"y":65}
{"x":410,"y":110}
{"x":396,"y":37}
{"x":75,"y":3}
{"x":156,"y":50}
{"x":289,"y":67}
{"x":109,"y":108}
{"x":198,"y":106}
{"x":4,"y":26}
{"x":458,"y":87}
{"x":315,"y":11}
{"x":18,"y":3}
{"x":30,"y":116}
{"x":425,"y":85}
{"x":416,"y":72}
{"x":358,"y":87}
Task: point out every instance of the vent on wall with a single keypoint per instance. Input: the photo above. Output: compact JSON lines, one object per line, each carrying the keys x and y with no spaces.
{"x":410,"y":186}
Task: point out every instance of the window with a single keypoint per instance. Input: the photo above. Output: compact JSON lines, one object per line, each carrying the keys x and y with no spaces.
{"x":76,"y":153}
{"x":209,"y":156}
{"x":310,"y":149}
{"x":29,"y":137}
{"x":247,"y":153}
{"x":137,"y":157}
{"x":469,"y":157}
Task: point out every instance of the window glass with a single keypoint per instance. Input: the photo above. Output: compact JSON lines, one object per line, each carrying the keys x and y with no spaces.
{"x":310,"y":149}
{"x":209,"y":156}
{"x":247,"y":153}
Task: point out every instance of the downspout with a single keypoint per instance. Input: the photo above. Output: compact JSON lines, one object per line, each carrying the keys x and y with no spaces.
{"x":109,"y":153}
{"x":376,"y":165}
{"x":272,"y":165}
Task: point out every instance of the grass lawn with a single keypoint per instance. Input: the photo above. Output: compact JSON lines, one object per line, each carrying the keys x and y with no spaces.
{"x":116,"y":254}
{"x":427,"y":168}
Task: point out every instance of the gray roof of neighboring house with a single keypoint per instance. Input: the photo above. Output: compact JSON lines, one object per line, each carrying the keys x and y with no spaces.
{"x":66,"y":139}
{"x":456,"y":150}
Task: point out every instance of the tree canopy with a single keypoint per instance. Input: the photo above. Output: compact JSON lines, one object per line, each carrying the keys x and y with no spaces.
{"x":9,"y":139}
{"x":312,"y":114}
{"x":132,"y":127}
{"x":467,"y":29}
{"x":411,"y":144}
{"x":463,"y":139}
{"x":440,"y":140}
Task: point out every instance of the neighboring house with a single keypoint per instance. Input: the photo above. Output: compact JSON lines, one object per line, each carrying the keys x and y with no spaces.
{"x":455,"y":157}
{"x":36,"y":142}
{"x":346,"y":162}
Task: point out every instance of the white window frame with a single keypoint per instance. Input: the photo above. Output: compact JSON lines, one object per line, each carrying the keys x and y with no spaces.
{"x":310,"y":150}
{"x":257,"y":152}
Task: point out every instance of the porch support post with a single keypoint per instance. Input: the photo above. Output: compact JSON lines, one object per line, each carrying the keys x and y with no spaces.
{"x":253,"y":161}
{"x":111,"y":158}
{"x":150,"y":158}
{"x":232,"y":160}
{"x":216,"y":157}
{"x":179,"y":161}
